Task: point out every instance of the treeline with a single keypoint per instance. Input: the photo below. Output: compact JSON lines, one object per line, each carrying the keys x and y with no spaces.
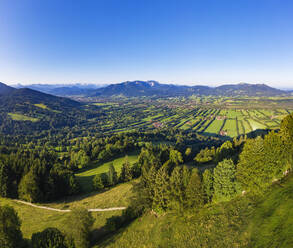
{"x":243,"y":166}
{"x":76,"y":152}
{"x":43,"y":169}
{"x":76,"y":232}
{"x":35,"y":176}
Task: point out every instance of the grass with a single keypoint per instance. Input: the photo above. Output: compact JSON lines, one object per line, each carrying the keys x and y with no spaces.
{"x":256,"y":125}
{"x":41,"y":105}
{"x":21,"y":117}
{"x":230,"y":126}
{"x":35,"y":220}
{"x":85,"y":177}
{"x":272,"y":221}
{"x":246,"y":221}
{"x":214,"y":127}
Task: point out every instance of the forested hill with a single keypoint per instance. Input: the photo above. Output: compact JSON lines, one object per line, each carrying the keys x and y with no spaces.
{"x":4,"y":89}
{"x":155,"y":89}
{"x":26,"y":110}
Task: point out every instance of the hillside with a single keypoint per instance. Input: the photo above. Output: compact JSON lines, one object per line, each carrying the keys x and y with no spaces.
{"x":4,"y":89}
{"x":155,"y":89}
{"x":63,"y":89}
{"x":26,"y":110}
{"x":242,"y":222}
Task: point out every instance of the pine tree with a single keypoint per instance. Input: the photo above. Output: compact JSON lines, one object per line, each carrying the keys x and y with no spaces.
{"x":208,"y":185}
{"x":112,"y":175}
{"x":161,"y":190}
{"x":225,"y":185}
{"x":5,"y":180}
{"x":125,"y":174}
{"x":194,"y":191}
{"x":176,"y":189}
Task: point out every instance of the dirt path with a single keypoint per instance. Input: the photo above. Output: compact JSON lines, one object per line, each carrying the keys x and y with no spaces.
{"x":68,"y":210}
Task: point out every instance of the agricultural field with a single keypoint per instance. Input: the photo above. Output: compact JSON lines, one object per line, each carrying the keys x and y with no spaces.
{"x":207,"y":115}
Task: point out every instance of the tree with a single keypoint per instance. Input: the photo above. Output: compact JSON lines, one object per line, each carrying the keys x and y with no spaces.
{"x":208,"y":187}
{"x":262,"y":161}
{"x":225,"y":185}
{"x":98,"y":182}
{"x":179,"y":180}
{"x":161,"y":190}
{"x":175,"y":157}
{"x":224,"y":152}
{"x":10,"y":233}
{"x":79,"y":224}
{"x":49,"y":238}
{"x":112,"y":175}
{"x":6,"y":185}
{"x":28,"y":188}
{"x":176,"y":189}
{"x":194,"y":191}
{"x":125,"y":174}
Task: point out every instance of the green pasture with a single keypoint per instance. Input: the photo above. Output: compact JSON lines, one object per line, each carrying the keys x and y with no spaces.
{"x":21,"y":117}
{"x":85,"y":177}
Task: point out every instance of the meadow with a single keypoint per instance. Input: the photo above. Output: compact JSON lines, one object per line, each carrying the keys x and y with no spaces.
{"x":86,"y":176}
{"x":35,"y":219}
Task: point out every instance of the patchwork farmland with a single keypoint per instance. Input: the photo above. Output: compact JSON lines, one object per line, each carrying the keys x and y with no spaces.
{"x":224,"y":119}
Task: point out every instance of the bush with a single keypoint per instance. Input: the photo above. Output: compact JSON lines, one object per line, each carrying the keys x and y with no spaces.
{"x":49,"y":238}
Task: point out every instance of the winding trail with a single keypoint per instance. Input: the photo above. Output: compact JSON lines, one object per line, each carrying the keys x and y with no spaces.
{"x":68,"y":210}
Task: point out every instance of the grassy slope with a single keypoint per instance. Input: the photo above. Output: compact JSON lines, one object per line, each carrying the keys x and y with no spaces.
{"x":20,"y":117}
{"x":86,"y":177}
{"x":36,"y":220}
{"x":239,"y":223}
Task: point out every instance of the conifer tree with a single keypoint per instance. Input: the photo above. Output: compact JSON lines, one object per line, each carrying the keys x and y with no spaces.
{"x":112,"y":175}
{"x":194,"y":191}
{"x":125,"y":174}
{"x":5,"y":180}
{"x":208,"y":185}
{"x":225,"y":185}
{"x":161,"y":190}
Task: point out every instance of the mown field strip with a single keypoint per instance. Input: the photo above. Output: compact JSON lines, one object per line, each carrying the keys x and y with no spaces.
{"x":69,"y":210}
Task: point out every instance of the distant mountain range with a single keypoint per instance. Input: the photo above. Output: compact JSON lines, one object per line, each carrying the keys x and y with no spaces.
{"x":63,"y":89}
{"x":152,"y":89}
{"x":155,"y":89}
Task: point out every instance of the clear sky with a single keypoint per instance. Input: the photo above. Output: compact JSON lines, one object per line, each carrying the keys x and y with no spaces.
{"x":208,"y":42}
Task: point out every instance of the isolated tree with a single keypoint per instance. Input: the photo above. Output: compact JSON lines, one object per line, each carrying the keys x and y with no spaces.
{"x":194,"y":191}
{"x":49,"y":238}
{"x":225,"y":185}
{"x":79,"y":224}
{"x":10,"y":233}
{"x":112,"y":175}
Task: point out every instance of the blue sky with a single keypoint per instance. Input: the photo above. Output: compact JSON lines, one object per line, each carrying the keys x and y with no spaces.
{"x":183,"y":42}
